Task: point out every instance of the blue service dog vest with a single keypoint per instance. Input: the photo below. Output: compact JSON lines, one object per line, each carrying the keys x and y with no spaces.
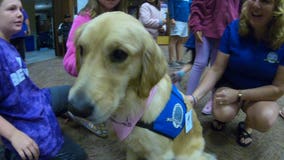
{"x":171,"y":121}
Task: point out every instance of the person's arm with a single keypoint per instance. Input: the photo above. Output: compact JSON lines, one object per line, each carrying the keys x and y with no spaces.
{"x":177,"y":76}
{"x":264,"y":93}
{"x":146,"y":19}
{"x":211,"y":77}
{"x":196,"y":16}
{"x":267,"y":93}
{"x":23,"y":144}
{"x":69,"y":61}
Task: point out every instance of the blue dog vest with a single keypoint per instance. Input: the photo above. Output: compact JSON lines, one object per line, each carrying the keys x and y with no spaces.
{"x":171,"y":121}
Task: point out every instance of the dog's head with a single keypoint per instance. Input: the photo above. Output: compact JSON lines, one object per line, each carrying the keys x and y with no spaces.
{"x":116,"y":57}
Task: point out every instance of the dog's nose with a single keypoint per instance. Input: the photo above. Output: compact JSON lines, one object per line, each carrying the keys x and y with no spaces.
{"x":79,"y":105}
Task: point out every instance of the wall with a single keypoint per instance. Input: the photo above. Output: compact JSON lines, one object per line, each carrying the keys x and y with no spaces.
{"x":59,"y":9}
{"x":81,"y":4}
{"x":28,"y":5}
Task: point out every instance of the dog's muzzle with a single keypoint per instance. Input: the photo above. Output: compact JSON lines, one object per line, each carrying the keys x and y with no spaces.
{"x":79,"y":104}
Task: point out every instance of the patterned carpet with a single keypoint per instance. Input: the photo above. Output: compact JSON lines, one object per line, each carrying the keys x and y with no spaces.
{"x":265,"y":146}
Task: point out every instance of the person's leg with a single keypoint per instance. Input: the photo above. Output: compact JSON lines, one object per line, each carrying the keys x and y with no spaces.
{"x":214,"y":49}
{"x":260,"y":116}
{"x":223,"y":112}
{"x":70,"y":151}
{"x":180,"y":49}
{"x":2,"y":151}
{"x":200,"y":62}
{"x":64,"y":47}
{"x":193,"y":53}
{"x":182,"y":28}
{"x":9,"y":155}
{"x":59,"y":99}
{"x":172,"y":48}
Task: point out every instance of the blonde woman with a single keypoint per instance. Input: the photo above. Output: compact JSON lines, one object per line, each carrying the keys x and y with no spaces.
{"x":248,"y":73}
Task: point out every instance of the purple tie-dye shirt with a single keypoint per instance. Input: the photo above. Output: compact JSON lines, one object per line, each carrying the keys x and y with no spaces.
{"x":26,"y":106}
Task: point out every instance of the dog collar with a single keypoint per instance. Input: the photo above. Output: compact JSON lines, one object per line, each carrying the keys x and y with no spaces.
{"x":124,"y":128}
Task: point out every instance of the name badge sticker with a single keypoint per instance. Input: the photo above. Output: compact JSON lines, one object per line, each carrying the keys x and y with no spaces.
{"x":188,"y":121}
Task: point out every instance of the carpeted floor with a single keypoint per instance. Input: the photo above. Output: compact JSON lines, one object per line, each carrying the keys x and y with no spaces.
{"x":265,"y":146}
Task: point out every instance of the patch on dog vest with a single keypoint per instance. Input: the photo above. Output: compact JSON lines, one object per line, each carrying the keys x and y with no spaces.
{"x":172,"y":119}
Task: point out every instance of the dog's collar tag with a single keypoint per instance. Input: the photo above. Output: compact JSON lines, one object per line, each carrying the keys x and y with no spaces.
{"x":188,"y":121}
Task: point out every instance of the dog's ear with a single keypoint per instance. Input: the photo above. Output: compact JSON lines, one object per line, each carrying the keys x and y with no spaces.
{"x":78,"y":48}
{"x":154,"y":67}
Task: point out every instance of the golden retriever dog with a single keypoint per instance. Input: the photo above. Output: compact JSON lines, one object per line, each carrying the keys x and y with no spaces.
{"x":123,"y":74}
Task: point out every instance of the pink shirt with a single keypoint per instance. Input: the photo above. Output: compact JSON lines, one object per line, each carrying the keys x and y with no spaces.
{"x":212,"y":16}
{"x":69,"y":61}
{"x":150,"y":17}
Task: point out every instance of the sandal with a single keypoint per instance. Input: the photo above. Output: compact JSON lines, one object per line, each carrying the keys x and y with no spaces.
{"x":218,"y":125}
{"x":99,"y":130}
{"x":244,"y":138}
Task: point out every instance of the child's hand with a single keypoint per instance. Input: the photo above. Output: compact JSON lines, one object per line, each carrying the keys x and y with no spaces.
{"x":173,"y":22}
{"x":198,"y":35}
{"x":192,"y":100}
{"x":176,"y":76}
{"x":25,"y":146}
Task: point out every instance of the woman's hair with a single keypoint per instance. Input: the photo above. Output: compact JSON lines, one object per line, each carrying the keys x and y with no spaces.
{"x":275,"y":34}
{"x":94,"y":8}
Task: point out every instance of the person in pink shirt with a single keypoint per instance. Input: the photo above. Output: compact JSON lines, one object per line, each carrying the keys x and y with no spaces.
{"x":150,"y":17}
{"x":92,"y":9}
{"x":208,"y":21}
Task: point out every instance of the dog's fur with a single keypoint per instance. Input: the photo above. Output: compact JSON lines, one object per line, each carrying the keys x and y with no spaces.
{"x":119,"y":64}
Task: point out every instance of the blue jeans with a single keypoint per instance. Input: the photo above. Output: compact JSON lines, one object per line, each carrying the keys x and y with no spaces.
{"x":59,"y":101}
{"x":69,"y":151}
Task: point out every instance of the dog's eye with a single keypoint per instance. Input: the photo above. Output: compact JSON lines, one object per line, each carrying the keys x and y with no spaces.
{"x":118,"y":56}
